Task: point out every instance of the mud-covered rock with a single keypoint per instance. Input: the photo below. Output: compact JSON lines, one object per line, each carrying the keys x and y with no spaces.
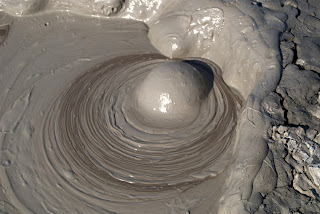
{"x":300,"y":91}
{"x":287,"y":200}
{"x":308,"y":51}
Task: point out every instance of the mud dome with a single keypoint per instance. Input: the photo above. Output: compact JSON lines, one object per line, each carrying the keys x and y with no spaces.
{"x":158,"y":108}
{"x":172,"y":93}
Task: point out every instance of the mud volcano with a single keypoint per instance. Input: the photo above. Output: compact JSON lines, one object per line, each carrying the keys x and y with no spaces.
{"x":161,"y":107}
{"x":127,"y":124}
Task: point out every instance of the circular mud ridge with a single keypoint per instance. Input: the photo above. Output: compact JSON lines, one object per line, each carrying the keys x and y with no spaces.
{"x":111,"y":132}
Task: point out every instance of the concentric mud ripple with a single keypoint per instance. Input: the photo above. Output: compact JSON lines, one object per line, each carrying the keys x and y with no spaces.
{"x":94,"y":133}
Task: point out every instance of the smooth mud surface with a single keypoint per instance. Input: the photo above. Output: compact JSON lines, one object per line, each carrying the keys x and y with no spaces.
{"x":76,"y":131}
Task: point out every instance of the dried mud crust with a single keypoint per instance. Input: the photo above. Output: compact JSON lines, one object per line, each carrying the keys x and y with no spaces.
{"x":295,"y":138}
